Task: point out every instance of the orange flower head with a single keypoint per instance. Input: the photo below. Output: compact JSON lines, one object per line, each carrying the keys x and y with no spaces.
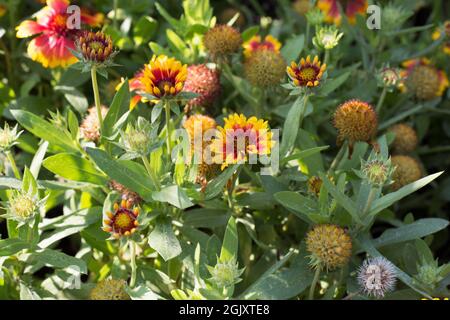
{"x":240,"y":138}
{"x":255,"y":43}
{"x":55,"y":36}
{"x":351,"y":8}
{"x":163,"y":77}
{"x":123,"y":221}
{"x":307,"y":73}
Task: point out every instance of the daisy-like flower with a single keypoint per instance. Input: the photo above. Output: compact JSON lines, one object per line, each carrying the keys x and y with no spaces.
{"x":332,"y":10}
{"x":443,"y":31}
{"x":255,"y":43}
{"x":95,"y":49}
{"x":329,"y":245}
{"x":161,"y":78}
{"x":377,"y":276}
{"x":241,"y":138}
{"x":423,"y":79}
{"x":51,"y":47}
{"x":123,"y":221}
{"x":307,"y":73}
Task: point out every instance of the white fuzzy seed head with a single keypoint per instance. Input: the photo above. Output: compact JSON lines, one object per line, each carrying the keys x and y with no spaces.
{"x":377,"y":276}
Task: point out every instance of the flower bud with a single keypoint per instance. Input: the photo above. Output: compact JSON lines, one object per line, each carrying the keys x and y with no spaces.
{"x":225,"y":273}
{"x":95,"y":48}
{"x":327,"y":37}
{"x":8,"y":137}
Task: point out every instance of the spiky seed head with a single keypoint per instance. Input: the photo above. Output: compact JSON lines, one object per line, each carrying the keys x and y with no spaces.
{"x":110,"y":289}
{"x":329,"y":245}
{"x":222,"y":40}
{"x":265,"y":68}
{"x":203,"y":81}
{"x":90,"y":126}
{"x":377,"y":276}
{"x":424,"y":82}
{"x":355,"y":120}
{"x":407,"y":170}
{"x":405,"y":140}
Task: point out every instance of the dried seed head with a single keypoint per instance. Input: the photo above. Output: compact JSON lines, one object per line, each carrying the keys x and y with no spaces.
{"x":222,"y":40}
{"x":301,"y":6}
{"x":90,"y":127}
{"x":377,"y":276}
{"x":203,"y":81}
{"x":265,"y":68}
{"x":407,"y":170}
{"x":405,"y":140}
{"x":355,"y":120}
{"x":110,"y":289}
{"x":330,"y":246}
{"x":424,"y":82}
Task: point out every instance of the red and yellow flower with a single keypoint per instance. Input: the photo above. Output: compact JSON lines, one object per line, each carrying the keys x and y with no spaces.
{"x":421,"y":76}
{"x":307,"y":73}
{"x":351,"y":8}
{"x":51,"y":47}
{"x":241,"y":138}
{"x":255,"y":43}
{"x":162,"y":77}
{"x":443,"y":32}
{"x":123,"y":221}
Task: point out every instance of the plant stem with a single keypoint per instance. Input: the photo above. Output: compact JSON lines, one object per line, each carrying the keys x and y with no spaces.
{"x":370,"y":198}
{"x":97,"y":98}
{"x":314,"y":283}
{"x":151,"y":173}
{"x":303,"y":111}
{"x":13,"y":165}
{"x":169,"y":132}
{"x":338,"y":157}
{"x":381,"y":100}
{"x":326,"y":57}
{"x":133,"y":263}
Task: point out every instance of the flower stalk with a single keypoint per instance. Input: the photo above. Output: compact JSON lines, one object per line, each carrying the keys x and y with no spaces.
{"x":97,"y":98}
{"x":314,"y":282}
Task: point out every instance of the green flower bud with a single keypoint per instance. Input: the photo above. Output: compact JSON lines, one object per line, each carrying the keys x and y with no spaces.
{"x":139,"y":140}
{"x":315,"y":16}
{"x":327,"y":37}
{"x":8,"y":137}
{"x":225,"y":273}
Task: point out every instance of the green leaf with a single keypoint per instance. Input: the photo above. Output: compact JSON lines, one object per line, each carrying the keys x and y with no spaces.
{"x":415,"y":230}
{"x":303,"y":154}
{"x":230,"y":242}
{"x":9,"y":247}
{"x":292,"y":48}
{"x":57,"y":259}
{"x":291,"y":125}
{"x":331,"y":85}
{"x":389,"y":199}
{"x":347,"y":203}
{"x":215,"y":187}
{"x":144,"y":30}
{"x":164,"y":241}
{"x":35,"y":166}
{"x":119,"y":171}
{"x":303,"y":207}
{"x":74,"y":167}
{"x":174,"y":195}
{"x":76,"y":99}
{"x":249,"y":33}
{"x":119,"y":106}
{"x":45,"y":130}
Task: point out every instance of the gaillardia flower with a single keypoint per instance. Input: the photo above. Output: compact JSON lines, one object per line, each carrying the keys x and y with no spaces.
{"x":255,"y":43}
{"x":423,"y":79}
{"x":405,"y":140}
{"x":355,"y":121}
{"x":377,"y":276}
{"x":162,"y":77}
{"x":329,"y":245}
{"x":443,"y":31}
{"x":110,"y":289}
{"x":55,"y":36}
{"x":95,"y":48}
{"x":240,"y":139}
{"x":265,"y":68}
{"x":203,"y":81}
{"x":351,"y":8}
{"x":222,"y":40}
{"x":307,"y":73}
{"x":407,"y":170}
{"x":90,"y":126}
{"x":123,"y":221}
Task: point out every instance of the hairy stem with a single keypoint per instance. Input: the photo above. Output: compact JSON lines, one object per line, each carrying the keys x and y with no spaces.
{"x":381,"y":100}
{"x":133,"y":263}
{"x":169,"y":132}
{"x":97,"y":98}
